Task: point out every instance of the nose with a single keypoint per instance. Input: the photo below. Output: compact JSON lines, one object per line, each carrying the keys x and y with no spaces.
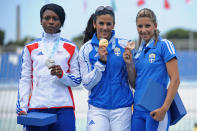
{"x":143,"y":29}
{"x":51,"y":21}
{"x":104,"y":26}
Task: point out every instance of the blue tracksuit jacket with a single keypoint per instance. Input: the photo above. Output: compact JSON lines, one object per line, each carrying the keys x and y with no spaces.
{"x":107,"y":83}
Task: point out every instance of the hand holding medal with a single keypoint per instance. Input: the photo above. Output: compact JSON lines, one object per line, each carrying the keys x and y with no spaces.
{"x":130,"y":45}
{"x":127,"y":56}
{"x":56,"y":70}
{"x":50,"y":62}
{"x":103,"y":43}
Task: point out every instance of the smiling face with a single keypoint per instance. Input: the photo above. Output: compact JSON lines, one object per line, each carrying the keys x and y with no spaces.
{"x":146,"y":28}
{"x":104,"y":25}
{"x":50,"y":22}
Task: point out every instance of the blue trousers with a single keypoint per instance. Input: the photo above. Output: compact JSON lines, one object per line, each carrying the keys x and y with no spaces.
{"x":65,"y":120}
{"x":142,"y":121}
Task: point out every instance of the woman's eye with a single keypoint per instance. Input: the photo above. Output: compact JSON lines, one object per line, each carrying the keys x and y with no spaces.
{"x":147,"y":25}
{"x":139,"y":26}
{"x":101,"y":23}
{"x":109,"y":23}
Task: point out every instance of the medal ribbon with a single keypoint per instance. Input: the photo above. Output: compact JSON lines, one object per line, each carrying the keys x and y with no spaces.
{"x":53,"y":50}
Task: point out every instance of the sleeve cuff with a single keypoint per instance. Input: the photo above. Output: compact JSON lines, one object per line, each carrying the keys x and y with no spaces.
{"x":21,"y":112}
{"x":61,"y":75}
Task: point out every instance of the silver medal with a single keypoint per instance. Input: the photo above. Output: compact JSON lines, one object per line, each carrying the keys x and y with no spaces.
{"x":50,"y":62}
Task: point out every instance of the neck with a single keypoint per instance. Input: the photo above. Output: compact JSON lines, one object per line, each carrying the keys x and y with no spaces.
{"x":50,"y":37}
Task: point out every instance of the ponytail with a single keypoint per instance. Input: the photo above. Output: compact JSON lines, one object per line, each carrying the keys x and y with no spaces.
{"x":90,"y":30}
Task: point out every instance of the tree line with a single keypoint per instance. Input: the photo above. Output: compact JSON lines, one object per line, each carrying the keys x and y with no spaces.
{"x":178,"y":33}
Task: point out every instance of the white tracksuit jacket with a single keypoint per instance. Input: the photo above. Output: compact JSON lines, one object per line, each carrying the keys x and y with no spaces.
{"x":37,"y":88}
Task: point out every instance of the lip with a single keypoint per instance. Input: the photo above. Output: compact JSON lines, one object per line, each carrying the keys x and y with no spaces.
{"x":144,"y":35}
{"x":105,"y":33}
{"x":50,"y":27}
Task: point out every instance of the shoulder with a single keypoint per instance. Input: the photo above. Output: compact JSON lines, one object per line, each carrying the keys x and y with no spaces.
{"x":33,"y":45}
{"x":87,"y":47}
{"x":67,"y":42}
{"x":166,"y":45}
{"x":33,"y":42}
{"x":163,"y":42}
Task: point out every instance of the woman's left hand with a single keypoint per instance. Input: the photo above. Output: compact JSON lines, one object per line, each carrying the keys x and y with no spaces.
{"x":158,"y":114}
{"x":56,"y":70}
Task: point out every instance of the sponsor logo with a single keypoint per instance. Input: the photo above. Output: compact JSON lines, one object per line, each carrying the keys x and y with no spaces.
{"x":40,"y":53}
{"x":91,"y":123}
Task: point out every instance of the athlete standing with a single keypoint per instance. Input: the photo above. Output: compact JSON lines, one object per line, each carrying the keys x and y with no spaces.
{"x":104,"y":75}
{"x":156,"y":60}
{"x":49,"y":69}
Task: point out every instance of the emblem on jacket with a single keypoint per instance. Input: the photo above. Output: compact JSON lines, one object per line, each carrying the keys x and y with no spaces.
{"x":152,"y":58}
{"x":40,"y":53}
{"x":117,"y":51}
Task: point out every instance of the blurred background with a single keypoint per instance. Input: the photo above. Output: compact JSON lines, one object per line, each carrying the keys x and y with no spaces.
{"x":20,"y":23}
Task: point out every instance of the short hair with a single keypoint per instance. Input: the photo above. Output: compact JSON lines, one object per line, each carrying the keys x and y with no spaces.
{"x":55,"y":8}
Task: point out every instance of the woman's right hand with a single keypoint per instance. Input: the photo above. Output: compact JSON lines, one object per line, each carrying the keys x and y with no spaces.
{"x":103,"y":53}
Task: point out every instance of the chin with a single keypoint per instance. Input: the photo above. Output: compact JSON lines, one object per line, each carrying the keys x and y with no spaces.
{"x":105,"y":36}
{"x":50,"y":32}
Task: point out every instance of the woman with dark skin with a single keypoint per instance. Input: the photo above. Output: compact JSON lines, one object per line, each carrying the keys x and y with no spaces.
{"x":49,"y":68}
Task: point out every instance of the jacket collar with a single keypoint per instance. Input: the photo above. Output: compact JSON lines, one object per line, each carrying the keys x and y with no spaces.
{"x":50,"y":37}
{"x":151,"y":44}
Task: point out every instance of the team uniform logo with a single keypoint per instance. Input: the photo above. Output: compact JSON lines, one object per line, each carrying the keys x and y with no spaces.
{"x":91,"y":123}
{"x":152,"y":57}
{"x":40,"y":53}
{"x":117,"y":51}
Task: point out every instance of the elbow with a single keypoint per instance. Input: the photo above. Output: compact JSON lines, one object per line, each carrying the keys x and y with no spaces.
{"x":177,"y":82}
{"x":76,"y":84}
{"x":87,"y":87}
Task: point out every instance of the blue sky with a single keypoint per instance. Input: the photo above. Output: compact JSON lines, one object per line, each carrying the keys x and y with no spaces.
{"x":180,"y":15}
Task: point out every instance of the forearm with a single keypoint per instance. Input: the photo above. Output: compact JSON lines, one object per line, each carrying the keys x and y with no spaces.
{"x":172,"y":90}
{"x":90,"y":79}
{"x":70,"y":79}
{"x":25,"y":82}
{"x":172,"y":69}
{"x":23,"y":95}
{"x":131,"y":74}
